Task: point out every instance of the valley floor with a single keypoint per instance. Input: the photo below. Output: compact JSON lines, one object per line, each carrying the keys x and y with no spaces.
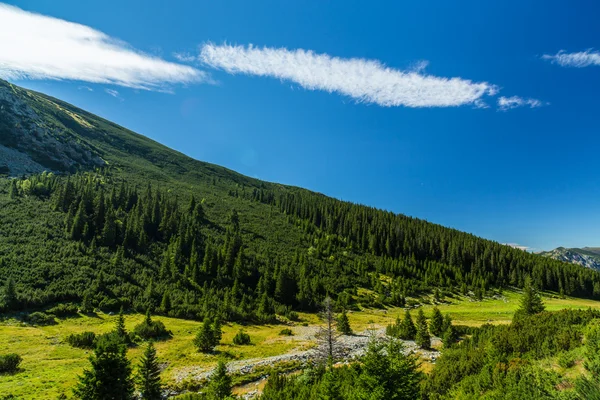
{"x":50,"y":366}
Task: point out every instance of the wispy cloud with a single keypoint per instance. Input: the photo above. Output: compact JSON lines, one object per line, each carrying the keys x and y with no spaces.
{"x":519,"y":246}
{"x":508,"y":103}
{"x":185,"y":57}
{"x":112,"y":92}
{"x":366,"y":81}
{"x":34,"y":46}
{"x":578,"y":60}
{"x":89,"y":89}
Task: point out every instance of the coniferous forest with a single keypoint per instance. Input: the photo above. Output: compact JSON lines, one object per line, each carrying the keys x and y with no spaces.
{"x":149,"y":230}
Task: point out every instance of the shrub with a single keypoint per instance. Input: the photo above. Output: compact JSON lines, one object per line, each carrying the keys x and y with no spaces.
{"x":64,"y":310}
{"x":566,"y":360}
{"x":241,"y":338}
{"x":150,"y":329}
{"x":293,"y":316}
{"x":84,"y":340}
{"x":286,"y":332}
{"x":40,"y":318}
{"x":9,"y":363}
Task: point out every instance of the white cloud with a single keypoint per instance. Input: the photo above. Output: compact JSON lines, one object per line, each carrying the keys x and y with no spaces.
{"x":518,"y":246}
{"x":89,"y":89}
{"x":185,"y":57}
{"x":112,"y":92}
{"x":34,"y":46}
{"x":580,"y":59}
{"x":507,"y":103}
{"x":366,"y":81}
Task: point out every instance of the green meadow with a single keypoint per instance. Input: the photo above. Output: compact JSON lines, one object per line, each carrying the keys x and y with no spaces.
{"x":50,"y":366}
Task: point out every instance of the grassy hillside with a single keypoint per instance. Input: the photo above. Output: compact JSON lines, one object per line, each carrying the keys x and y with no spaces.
{"x":240,"y":248}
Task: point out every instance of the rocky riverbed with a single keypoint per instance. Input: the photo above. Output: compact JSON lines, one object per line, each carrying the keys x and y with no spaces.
{"x":354,"y":346}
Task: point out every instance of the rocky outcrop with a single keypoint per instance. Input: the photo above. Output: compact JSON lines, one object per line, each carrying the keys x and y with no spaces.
{"x":31,"y":144}
{"x":587,"y":257}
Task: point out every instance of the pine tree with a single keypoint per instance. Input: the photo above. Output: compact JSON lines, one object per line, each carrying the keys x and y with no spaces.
{"x":422,"y":338}
{"x":165,"y":304}
{"x":343,"y":324}
{"x":217,"y":331}
{"x":120,"y":330}
{"x":436,"y":326}
{"x":109,"y":230}
{"x":14,"y":192}
{"x":205,"y":338}
{"x":109,"y":376}
{"x":407,"y":330}
{"x":86,"y":303}
{"x":219,"y":386}
{"x":531,"y":301}
{"x":148,"y":376}
{"x":10,"y":294}
{"x":79,"y":222}
{"x":449,"y":337}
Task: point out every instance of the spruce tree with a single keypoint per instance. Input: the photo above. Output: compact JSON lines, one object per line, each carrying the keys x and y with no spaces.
{"x":148,"y":376}
{"x":407,"y":329}
{"x":436,"y":326}
{"x":449,"y":337}
{"x":205,"y":338}
{"x":79,"y":222}
{"x":217,"y":331}
{"x":422,"y":339}
{"x":120,"y":330}
{"x":343,"y":324}
{"x":109,"y":376}
{"x":531,"y":301}
{"x":10,"y":294}
{"x":219,"y":386}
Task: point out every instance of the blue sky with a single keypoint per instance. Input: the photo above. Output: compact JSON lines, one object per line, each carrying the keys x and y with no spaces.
{"x":391,"y":132}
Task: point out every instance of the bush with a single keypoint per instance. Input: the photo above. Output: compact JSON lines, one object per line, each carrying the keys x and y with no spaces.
{"x":293,"y":316}
{"x":40,"y":318}
{"x":150,"y":329}
{"x":286,"y":332}
{"x":241,"y":338}
{"x":84,"y":340}
{"x":63,"y":310}
{"x":9,"y":363}
{"x":566,"y":360}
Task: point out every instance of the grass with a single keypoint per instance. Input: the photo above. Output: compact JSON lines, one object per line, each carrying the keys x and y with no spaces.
{"x":50,"y":367}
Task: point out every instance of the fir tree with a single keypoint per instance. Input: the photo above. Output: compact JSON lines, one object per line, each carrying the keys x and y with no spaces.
{"x":343,"y":324}
{"x":449,"y":337}
{"x":422,"y":338}
{"x":205,"y":338}
{"x":436,"y":326}
{"x":10,"y":294}
{"x":531,"y":301}
{"x":109,"y":376}
{"x":79,"y":222}
{"x":165,"y":304}
{"x":148,"y":376}
{"x":407,"y":330}
{"x":120,"y":330}
{"x":219,"y":386}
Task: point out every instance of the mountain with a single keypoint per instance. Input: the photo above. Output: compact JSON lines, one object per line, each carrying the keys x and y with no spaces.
{"x":588,"y":257}
{"x":93,"y":213}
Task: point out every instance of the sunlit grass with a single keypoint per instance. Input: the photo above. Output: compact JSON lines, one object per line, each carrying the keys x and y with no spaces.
{"x":50,"y":366}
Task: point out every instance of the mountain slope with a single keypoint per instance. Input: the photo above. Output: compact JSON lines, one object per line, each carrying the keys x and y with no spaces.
{"x":588,"y":257}
{"x":129,"y":221}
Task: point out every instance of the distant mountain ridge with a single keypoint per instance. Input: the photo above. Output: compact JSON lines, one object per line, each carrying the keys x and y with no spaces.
{"x":586,"y":256}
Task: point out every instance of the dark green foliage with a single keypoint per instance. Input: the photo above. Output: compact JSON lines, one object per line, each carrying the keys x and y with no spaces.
{"x":422,"y":337}
{"x":208,"y":336}
{"x":83,"y":340}
{"x":241,"y":338}
{"x":40,"y":318}
{"x":64,"y":310}
{"x":9,"y":363}
{"x":531,"y":301}
{"x":384,"y":372}
{"x":150,"y":329}
{"x":449,"y":336}
{"x":496,"y":359}
{"x":436,"y":325}
{"x":109,"y":376}
{"x":403,"y":328}
{"x":120,"y":332}
{"x":9,"y":295}
{"x":286,"y":332}
{"x":343,"y":324}
{"x":219,"y":386}
{"x":148,"y":375}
